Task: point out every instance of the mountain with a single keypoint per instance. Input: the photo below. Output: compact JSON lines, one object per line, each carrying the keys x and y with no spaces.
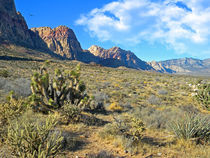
{"x":120,"y":56}
{"x":13,"y":28}
{"x":183,"y":66}
{"x":62,"y":43}
{"x":60,"y":40}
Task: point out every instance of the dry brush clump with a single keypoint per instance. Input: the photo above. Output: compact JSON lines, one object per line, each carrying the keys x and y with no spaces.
{"x":34,"y":137}
{"x":203,"y":95}
{"x":128,"y":130}
{"x":4,"y":73}
{"x":10,"y":110}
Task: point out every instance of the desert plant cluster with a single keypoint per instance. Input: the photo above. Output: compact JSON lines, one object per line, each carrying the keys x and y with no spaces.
{"x":66,"y":109}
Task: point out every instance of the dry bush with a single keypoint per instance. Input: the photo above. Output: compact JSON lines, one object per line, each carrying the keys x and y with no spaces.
{"x":31,"y":136}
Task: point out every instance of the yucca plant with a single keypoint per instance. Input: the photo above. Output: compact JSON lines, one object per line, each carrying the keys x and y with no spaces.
{"x":192,"y":126}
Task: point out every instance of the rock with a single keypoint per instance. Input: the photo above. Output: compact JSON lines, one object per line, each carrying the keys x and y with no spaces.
{"x":13,"y":28}
{"x":60,"y":40}
{"x":120,"y":56}
{"x":183,"y":66}
{"x":159,"y":154}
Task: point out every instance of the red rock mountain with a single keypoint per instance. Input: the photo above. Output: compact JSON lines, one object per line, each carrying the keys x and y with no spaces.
{"x":127,"y":58}
{"x":60,"y":40}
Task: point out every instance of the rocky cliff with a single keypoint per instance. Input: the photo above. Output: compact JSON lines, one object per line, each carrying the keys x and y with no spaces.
{"x":13,"y":28}
{"x":60,"y":40}
{"x":124,"y":58}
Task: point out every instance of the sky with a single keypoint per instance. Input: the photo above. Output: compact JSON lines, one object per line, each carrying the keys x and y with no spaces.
{"x":152,"y":29}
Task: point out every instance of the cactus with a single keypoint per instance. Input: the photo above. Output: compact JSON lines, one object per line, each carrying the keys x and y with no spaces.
{"x":50,"y":93}
{"x":34,"y":137}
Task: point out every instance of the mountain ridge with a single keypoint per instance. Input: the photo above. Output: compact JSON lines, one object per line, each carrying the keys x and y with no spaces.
{"x":61,"y":43}
{"x":183,"y":66}
{"x":127,"y":58}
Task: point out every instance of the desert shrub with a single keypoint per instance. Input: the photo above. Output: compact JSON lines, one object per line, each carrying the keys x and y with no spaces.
{"x":162,"y":92}
{"x":128,"y":128}
{"x":154,"y":100}
{"x":74,"y":114}
{"x":115,"y":107}
{"x":192,"y":126}
{"x":203,"y":95}
{"x":11,"y":109}
{"x":70,"y":113}
{"x":49,"y":93}
{"x":2,"y":82}
{"x":190,"y":109}
{"x":33,"y":137}
{"x":98,"y":102}
{"x":4,"y":73}
{"x":154,"y":118}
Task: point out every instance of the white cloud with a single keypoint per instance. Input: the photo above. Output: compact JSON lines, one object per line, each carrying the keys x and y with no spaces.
{"x":129,"y":22}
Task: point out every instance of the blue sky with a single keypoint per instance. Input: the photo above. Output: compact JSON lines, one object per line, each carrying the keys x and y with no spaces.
{"x":152,"y":29}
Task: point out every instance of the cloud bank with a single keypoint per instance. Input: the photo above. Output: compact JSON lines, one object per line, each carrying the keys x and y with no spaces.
{"x":181,"y":25}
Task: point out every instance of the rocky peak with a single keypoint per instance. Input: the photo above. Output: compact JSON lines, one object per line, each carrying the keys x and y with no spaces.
{"x":61,"y":40}
{"x":8,"y":6}
{"x":96,"y":50}
{"x":127,"y":58}
{"x":13,"y":28}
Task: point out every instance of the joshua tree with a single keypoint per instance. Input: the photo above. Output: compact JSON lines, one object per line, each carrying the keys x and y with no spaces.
{"x":50,"y":93}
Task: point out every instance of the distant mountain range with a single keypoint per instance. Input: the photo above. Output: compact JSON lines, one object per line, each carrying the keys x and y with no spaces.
{"x":62,"y":43}
{"x":183,"y":66}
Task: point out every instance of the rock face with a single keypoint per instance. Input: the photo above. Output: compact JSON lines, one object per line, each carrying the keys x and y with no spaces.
{"x":183,"y":66}
{"x":60,"y":40}
{"x":121,"y":57}
{"x":13,"y":28}
{"x":158,"y":66}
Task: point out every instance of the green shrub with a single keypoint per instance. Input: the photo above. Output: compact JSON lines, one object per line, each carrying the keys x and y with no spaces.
{"x":32,"y":137}
{"x":203,"y":95}
{"x":192,"y":126}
